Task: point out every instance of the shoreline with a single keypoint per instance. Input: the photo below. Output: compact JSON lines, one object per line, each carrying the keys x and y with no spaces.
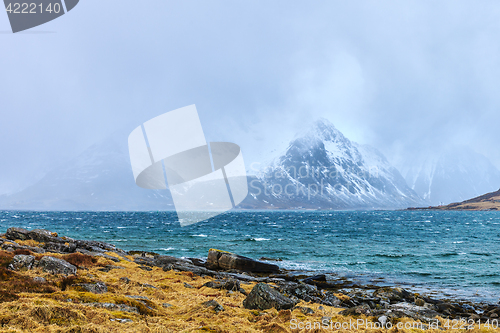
{"x":230,"y":272}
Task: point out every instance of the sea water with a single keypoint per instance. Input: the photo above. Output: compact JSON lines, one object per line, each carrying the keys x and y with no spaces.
{"x":453,"y":253}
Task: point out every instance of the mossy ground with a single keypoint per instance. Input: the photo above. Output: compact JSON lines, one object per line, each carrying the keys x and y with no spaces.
{"x":58,"y":306}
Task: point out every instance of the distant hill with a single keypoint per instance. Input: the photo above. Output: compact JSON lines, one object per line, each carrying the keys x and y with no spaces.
{"x":489,"y":201}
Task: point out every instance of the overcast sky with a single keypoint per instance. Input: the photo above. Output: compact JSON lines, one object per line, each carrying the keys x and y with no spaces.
{"x":403,"y":76}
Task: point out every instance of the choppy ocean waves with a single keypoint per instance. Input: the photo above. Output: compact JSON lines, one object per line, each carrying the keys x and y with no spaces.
{"x":454,"y":251}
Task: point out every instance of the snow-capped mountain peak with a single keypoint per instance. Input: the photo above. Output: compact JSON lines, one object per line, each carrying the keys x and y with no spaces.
{"x":321,"y":168}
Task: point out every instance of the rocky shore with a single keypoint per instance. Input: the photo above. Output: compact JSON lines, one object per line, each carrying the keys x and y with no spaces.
{"x":58,"y":284}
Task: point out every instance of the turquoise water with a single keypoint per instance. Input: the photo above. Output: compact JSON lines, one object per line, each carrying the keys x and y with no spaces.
{"x":455,"y":253}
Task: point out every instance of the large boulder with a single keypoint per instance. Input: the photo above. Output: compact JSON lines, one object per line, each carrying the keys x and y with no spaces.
{"x":169,"y":263}
{"x":392,"y":294}
{"x":21,"y":261}
{"x":44,"y":236}
{"x":56,"y":266}
{"x":39,"y":235}
{"x":228,"y":261}
{"x":15,"y":233}
{"x":264,"y":297}
{"x":60,"y":247}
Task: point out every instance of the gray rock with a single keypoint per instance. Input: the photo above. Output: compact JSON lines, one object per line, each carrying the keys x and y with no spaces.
{"x":230,"y":261}
{"x":96,"y":288}
{"x":17,"y":233}
{"x":330,"y":299}
{"x":314,"y":279}
{"x":44,"y":236}
{"x":166,"y":305}
{"x":59,"y":247}
{"x":384,"y":304}
{"x":198,"y":262}
{"x":416,"y":312}
{"x":144,"y":261}
{"x":363,"y":309}
{"x":107,"y":256}
{"x":11,"y":245}
{"x":229,"y":284}
{"x":137,"y":297}
{"x":300,"y":290}
{"x":419,"y":302}
{"x":214,"y":305}
{"x":242,"y":277}
{"x":125,"y":279}
{"x":145,"y":268}
{"x":56,"y":266}
{"x":95,"y":246}
{"x":184,"y":267}
{"x":187,"y":285}
{"x":161,"y":261}
{"x":123,"y":321}
{"x":21,"y":262}
{"x":147,"y":285}
{"x":304,"y":310}
{"x":392,"y":294}
{"x":308,"y":293}
{"x":39,"y":279}
{"x":35,"y":249}
{"x":264,"y":297}
{"x":114,"y":307}
{"x":107,"y":268}
{"x":168,"y":267}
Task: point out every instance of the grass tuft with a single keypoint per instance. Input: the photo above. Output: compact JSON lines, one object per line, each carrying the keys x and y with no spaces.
{"x":80,"y":259}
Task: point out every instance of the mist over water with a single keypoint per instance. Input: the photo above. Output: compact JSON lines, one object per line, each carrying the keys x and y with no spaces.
{"x":455,"y":253}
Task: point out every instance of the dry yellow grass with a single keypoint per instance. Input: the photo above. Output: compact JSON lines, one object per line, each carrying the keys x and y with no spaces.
{"x":64,"y":310}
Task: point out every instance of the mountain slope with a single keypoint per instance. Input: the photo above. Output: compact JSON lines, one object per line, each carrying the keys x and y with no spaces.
{"x":452,"y":176}
{"x":98,"y":179}
{"x":488,"y":201}
{"x":322,"y":169}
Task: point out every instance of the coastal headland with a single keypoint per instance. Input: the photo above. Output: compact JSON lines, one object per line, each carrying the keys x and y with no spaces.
{"x":486,"y":202}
